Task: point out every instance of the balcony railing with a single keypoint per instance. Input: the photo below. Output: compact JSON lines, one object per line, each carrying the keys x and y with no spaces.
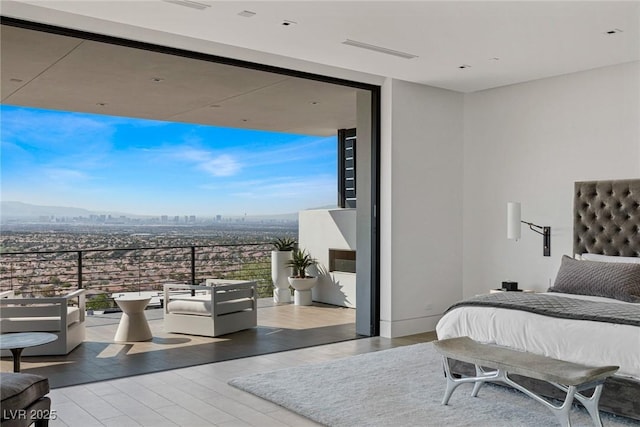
{"x":48,"y":273}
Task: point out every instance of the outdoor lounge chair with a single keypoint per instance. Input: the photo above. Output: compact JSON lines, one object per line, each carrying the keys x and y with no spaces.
{"x":217,"y":308}
{"x":56,"y":315}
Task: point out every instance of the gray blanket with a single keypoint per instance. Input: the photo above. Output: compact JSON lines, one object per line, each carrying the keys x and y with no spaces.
{"x":558,"y":306}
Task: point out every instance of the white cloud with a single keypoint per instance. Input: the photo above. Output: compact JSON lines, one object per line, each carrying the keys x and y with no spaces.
{"x":320,"y":187}
{"x":223,"y":165}
{"x":61,"y":178}
{"x":207,"y":161}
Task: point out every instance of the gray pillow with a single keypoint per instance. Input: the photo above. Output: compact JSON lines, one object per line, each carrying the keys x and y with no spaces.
{"x":603,"y":279}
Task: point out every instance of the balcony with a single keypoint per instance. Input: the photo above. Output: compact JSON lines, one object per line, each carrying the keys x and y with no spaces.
{"x":110,"y":271}
{"x":171,"y":380}
{"x":280,"y":328}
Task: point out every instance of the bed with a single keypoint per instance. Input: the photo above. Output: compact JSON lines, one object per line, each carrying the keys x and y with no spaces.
{"x":591,"y":314}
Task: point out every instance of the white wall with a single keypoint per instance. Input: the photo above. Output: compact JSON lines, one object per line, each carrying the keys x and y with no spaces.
{"x":529,"y":142}
{"x":323,"y":229}
{"x":420,"y":207}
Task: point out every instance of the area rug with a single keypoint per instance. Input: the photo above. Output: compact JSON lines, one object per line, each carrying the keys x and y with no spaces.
{"x":402,"y":386}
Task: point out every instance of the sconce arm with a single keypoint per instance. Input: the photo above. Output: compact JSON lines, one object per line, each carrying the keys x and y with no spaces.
{"x":538,"y":228}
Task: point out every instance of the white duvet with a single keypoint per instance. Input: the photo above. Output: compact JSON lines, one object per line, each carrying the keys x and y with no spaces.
{"x":580,"y":341}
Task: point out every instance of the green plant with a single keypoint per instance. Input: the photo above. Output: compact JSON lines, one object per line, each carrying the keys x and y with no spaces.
{"x":285,"y":244}
{"x":300,"y":261}
{"x":99,"y":302}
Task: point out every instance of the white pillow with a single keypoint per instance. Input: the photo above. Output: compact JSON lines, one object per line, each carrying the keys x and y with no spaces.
{"x":606,"y":258}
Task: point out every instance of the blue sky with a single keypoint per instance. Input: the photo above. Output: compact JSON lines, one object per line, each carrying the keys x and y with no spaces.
{"x":148,"y":167}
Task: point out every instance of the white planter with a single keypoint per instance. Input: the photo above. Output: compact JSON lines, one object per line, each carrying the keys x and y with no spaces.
{"x":279,"y":274}
{"x":302,"y":286}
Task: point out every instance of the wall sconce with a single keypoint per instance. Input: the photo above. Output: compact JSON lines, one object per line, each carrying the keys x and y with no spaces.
{"x":514,"y":229}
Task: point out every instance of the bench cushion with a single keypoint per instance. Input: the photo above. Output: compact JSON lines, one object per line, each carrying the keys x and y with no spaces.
{"x":21,"y":390}
{"x":521,"y":363}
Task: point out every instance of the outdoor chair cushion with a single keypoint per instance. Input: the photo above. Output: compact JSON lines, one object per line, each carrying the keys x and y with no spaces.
{"x":38,"y":324}
{"x":21,"y":390}
{"x":199,"y":305}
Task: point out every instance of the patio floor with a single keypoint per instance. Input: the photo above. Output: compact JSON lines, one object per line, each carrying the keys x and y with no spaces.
{"x":280,"y":328}
{"x":200,"y":396}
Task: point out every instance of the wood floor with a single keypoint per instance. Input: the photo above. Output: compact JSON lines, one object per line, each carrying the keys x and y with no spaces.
{"x":181,"y":380}
{"x":199,"y":395}
{"x":280,"y":328}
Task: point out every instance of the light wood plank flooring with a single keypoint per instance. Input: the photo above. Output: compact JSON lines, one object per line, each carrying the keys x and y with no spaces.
{"x":280,"y":328}
{"x":181,"y":380}
{"x":199,"y":395}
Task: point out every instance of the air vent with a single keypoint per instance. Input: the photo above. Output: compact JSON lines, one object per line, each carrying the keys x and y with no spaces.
{"x":379,"y":49}
{"x":189,"y":3}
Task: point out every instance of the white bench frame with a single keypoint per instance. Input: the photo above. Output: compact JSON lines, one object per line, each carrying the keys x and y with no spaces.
{"x":572,"y":378}
{"x":32,"y":314}
{"x":233,"y":302}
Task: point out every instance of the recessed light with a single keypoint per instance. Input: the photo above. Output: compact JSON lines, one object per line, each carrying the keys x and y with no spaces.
{"x":463,"y":66}
{"x":214,"y":106}
{"x":101,"y":104}
{"x":245,"y":120}
{"x":495,"y":58}
{"x":157,"y":79}
{"x":314,"y":103}
{"x":246,"y":14}
{"x":16,"y":80}
{"x":286,"y":22}
{"x":614,"y":31}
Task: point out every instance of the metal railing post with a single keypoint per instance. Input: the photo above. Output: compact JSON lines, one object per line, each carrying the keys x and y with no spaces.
{"x":112,"y":268}
{"x":79,"y":269}
{"x":193,"y":265}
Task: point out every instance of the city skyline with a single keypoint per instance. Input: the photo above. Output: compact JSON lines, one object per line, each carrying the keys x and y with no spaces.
{"x":150,"y":167}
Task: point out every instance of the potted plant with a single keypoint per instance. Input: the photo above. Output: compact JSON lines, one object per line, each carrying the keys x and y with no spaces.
{"x":300,"y":261}
{"x":280,"y":256}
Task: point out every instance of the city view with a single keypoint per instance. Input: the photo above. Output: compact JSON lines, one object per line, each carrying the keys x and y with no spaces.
{"x":41,"y":259}
{"x":114,"y":204}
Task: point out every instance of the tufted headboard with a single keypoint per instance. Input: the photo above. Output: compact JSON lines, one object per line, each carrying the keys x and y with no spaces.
{"x":607,"y":217}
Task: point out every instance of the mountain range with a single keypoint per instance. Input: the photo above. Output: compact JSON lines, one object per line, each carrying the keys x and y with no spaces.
{"x":11,"y":209}
{"x":14,"y":209}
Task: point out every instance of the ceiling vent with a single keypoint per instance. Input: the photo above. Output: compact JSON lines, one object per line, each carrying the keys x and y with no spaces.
{"x":189,"y":3}
{"x":379,"y":49}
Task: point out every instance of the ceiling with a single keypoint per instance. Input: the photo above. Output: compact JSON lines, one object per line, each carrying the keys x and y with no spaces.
{"x":463,"y":46}
{"x":500,"y":42}
{"x":50,"y":71}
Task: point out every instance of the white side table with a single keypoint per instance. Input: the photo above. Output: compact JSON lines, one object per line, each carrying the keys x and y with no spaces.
{"x":133,"y":324}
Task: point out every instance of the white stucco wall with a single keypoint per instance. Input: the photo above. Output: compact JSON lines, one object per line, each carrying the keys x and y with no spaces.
{"x":420,"y":207}
{"x":319,"y":231}
{"x":529,"y":142}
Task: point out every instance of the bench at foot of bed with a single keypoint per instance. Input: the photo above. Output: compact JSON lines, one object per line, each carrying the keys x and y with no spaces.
{"x":567,"y":376}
